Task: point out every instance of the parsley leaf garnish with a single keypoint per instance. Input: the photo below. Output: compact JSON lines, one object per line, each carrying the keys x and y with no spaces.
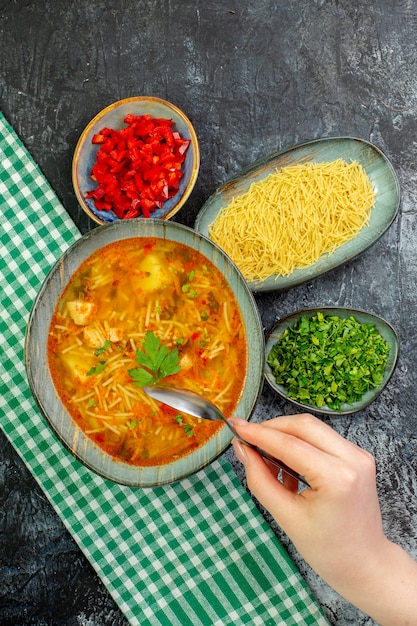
{"x":156,"y":361}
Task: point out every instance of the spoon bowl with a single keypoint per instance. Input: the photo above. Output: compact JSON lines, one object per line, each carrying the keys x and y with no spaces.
{"x":193,"y":404}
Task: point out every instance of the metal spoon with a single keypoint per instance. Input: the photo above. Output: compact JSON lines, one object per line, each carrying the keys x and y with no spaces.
{"x":193,"y":404}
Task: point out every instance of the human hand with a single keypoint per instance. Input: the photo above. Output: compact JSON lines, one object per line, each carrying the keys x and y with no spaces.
{"x":336,"y":525}
{"x":336,"y":521}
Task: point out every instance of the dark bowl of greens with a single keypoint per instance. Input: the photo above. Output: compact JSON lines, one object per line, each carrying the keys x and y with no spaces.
{"x":331,"y":360}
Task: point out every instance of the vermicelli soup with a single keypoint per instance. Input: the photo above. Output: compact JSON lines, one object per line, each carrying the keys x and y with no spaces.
{"x":143,"y":311}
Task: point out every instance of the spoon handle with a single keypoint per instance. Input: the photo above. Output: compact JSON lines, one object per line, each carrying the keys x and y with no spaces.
{"x":280,"y":464}
{"x":268,"y":457}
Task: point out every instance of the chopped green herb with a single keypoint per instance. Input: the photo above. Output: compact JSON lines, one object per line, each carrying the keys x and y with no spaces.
{"x":155,"y":360}
{"x":186,"y":287}
{"x":187,"y":428}
{"x":327,"y":360}
{"x":204,"y":315}
{"x":97,"y":369}
{"x":103,"y":348}
{"x":205,"y":340}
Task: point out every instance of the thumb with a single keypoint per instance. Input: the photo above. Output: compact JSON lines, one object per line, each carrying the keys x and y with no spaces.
{"x":263,"y":482}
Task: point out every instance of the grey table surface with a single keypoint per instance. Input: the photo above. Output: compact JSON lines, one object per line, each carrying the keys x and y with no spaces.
{"x":254,"y":77}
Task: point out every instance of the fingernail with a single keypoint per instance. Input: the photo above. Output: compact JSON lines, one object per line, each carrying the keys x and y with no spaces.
{"x":240,"y":451}
{"x":238,"y":421}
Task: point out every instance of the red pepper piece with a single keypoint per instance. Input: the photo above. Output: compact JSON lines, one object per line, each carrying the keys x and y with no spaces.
{"x":134,"y":210}
{"x":147,"y":206}
{"x":98,"y":138}
{"x":138,"y":167}
{"x":182,"y":145}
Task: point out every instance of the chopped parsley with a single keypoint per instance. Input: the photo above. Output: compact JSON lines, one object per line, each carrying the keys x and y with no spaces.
{"x":327,"y":360}
{"x":187,"y":289}
{"x":97,"y":369}
{"x":103,"y":348}
{"x":205,"y":340}
{"x":187,"y":428}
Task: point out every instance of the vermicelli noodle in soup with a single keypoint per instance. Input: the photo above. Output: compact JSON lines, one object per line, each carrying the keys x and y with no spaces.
{"x":138,"y":311}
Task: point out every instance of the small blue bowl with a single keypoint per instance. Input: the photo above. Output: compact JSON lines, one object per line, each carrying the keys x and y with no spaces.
{"x":112,"y":117}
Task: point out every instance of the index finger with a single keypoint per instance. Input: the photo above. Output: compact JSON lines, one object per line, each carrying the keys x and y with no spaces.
{"x":305,"y":427}
{"x":305,"y":446}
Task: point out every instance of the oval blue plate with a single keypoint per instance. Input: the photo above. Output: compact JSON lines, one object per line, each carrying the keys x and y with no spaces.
{"x":363,"y":317}
{"x":378,"y":169}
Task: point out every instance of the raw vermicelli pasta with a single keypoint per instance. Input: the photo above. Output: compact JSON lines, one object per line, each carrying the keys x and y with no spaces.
{"x":129,"y":297}
{"x":292,"y":217}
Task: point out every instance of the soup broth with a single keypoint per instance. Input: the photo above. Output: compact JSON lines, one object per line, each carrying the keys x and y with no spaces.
{"x":139,"y":311}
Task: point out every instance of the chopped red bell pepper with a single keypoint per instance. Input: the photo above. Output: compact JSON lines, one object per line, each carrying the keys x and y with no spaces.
{"x":98,"y":138}
{"x":137,"y":168}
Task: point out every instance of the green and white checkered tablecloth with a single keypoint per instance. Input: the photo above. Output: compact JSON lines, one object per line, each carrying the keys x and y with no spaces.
{"x":194,"y":553}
